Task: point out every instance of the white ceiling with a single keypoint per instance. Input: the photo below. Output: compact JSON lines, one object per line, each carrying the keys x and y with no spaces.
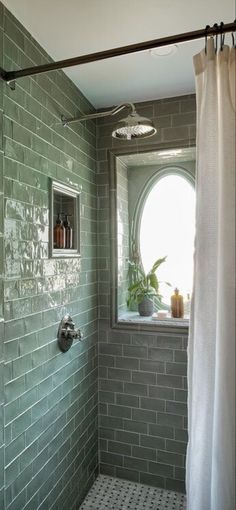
{"x":76,"y":27}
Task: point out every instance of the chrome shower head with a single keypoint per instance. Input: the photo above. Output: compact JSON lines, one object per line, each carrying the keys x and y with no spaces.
{"x":133,"y":126}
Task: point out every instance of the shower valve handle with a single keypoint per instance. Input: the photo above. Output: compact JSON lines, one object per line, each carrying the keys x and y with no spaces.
{"x":67,"y":333}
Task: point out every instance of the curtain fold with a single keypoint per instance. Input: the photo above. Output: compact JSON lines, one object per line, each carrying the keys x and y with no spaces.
{"x":211,"y":352}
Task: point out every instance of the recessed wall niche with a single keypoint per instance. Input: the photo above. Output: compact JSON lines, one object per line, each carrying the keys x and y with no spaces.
{"x":64,"y":229}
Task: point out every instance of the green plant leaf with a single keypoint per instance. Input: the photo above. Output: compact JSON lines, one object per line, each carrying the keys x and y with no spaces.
{"x":157,"y":264}
{"x":153,"y":281}
{"x":135,"y":286}
{"x":142,"y":285}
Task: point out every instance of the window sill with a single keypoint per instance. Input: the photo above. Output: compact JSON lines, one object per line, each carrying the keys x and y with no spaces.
{"x":132,"y":320}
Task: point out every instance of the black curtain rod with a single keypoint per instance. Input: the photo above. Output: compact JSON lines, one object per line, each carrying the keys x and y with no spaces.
{"x":216,"y":29}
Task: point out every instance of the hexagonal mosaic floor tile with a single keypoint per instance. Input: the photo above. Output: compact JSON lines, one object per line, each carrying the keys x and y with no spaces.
{"x":114,"y":494}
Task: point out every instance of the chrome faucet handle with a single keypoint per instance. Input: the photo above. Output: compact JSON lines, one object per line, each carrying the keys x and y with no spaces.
{"x":67,"y":333}
{"x":68,"y":321}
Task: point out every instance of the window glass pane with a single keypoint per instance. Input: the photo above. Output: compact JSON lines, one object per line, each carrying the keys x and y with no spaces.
{"x":168,"y":228}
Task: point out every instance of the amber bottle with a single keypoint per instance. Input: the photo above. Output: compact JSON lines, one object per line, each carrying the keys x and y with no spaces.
{"x":68,"y":232}
{"x":59,"y":234}
{"x":177,"y":305}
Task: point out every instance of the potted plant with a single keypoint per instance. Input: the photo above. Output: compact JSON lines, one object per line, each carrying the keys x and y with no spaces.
{"x":144,"y":288}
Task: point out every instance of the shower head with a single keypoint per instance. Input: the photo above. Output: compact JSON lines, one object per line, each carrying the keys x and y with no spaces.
{"x":132,"y":127}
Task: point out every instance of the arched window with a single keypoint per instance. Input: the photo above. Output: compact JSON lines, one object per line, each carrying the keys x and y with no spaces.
{"x":165,"y":226}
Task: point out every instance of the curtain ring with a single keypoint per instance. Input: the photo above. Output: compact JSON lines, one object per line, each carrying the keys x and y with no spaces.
{"x":216,"y":46}
{"x":222,"y":36}
{"x":206,"y":29}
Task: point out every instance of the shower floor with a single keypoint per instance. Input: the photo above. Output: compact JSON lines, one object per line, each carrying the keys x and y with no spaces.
{"x":114,"y":494}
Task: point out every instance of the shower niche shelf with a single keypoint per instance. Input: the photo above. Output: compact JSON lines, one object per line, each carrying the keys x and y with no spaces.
{"x":64,"y":228}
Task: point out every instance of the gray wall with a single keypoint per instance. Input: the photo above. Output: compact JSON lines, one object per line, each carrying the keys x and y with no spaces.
{"x":50,"y":398}
{"x":142,"y":377}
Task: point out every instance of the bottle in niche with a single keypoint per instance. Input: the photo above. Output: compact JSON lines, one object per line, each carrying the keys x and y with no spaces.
{"x":177,"y":305}
{"x":68,"y":232}
{"x":59,"y":233}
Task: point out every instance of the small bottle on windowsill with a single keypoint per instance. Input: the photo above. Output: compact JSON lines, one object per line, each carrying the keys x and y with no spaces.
{"x":177,"y":305}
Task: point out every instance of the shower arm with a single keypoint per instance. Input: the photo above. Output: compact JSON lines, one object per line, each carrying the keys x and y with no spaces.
{"x":117,"y":109}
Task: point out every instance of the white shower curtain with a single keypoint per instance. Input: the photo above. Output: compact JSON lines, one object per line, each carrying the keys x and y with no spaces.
{"x":211,"y":353}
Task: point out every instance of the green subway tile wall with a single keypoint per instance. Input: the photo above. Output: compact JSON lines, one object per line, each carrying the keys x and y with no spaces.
{"x":49,"y":398}
{"x":142,"y":374}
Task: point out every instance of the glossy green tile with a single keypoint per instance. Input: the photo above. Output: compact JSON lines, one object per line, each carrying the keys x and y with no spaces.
{"x":143,"y":453}
{"x":118,"y":447}
{"x":126,"y":400}
{"x":176,"y":368}
{"x":111,"y":458}
{"x":158,"y":468}
{"x":1,"y":467}
{"x":118,"y":410}
{"x":176,"y":408}
{"x":143,"y":377}
{"x":38,"y":402}
{"x":175,"y":485}
{"x":153,"y":480}
{"x":176,"y":446}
